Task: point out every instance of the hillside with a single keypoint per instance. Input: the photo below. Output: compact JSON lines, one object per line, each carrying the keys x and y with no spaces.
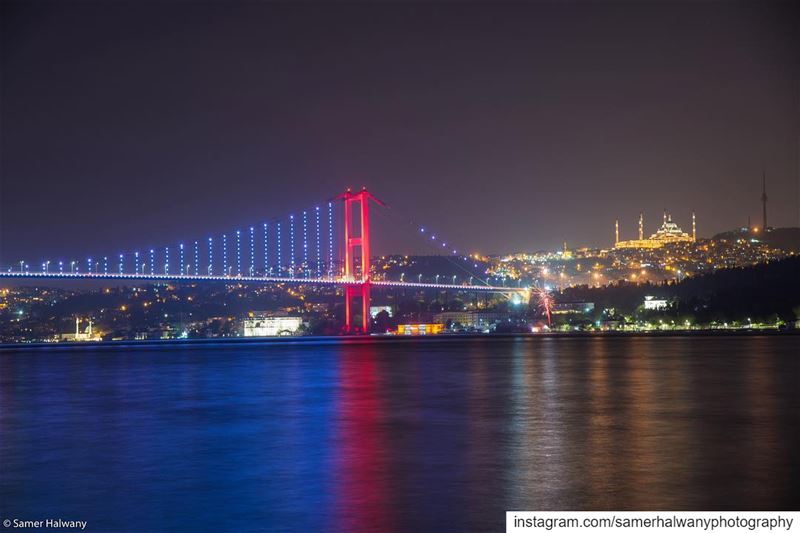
{"x":758,"y":292}
{"x":784,"y":238}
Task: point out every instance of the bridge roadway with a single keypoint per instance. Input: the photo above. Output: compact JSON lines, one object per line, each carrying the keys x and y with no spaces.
{"x":257,"y":279}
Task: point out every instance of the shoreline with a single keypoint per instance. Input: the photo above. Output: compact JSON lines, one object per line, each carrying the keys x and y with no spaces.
{"x":371,"y":339}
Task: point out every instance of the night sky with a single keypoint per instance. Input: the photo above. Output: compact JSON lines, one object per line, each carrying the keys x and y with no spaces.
{"x":503,"y":127}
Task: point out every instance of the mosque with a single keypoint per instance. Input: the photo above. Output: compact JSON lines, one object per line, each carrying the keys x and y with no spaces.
{"x":669,"y":232}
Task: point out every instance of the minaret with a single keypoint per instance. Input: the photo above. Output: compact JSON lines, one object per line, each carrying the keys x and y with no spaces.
{"x":90,"y":328}
{"x":641,"y":226}
{"x":77,"y":326}
{"x":764,"y":200}
{"x":665,"y":217}
{"x":616,"y":232}
{"x":694,"y":227}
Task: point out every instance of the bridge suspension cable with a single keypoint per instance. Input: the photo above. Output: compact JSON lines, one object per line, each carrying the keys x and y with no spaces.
{"x":222,"y":257}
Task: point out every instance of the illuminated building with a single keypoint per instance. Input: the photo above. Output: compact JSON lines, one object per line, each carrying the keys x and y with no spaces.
{"x":78,"y":336}
{"x":419,"y":329}
{"x":669,"y":232}
{"x":375,"y":309}
{"x":653,"y":304}
{"x":481,"y":320}
{"x":271,"y":326}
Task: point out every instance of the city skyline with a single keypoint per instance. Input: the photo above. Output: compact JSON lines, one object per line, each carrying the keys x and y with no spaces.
{"x":573,"y":120}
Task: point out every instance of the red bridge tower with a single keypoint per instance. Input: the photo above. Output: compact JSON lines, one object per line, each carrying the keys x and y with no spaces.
{"x":359,"y":278}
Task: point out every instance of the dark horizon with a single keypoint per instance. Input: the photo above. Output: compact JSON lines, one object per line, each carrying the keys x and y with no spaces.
{"x":139,"y":124}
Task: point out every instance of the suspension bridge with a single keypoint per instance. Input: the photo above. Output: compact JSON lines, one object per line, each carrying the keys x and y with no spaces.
{"x":292,"y":250}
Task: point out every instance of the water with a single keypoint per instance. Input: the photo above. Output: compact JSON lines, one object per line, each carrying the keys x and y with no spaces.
{"x":400,"y":436}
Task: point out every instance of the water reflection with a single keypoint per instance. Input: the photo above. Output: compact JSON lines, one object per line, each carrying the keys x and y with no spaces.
{"x":361,"y":447}
{"x":397,"y":436}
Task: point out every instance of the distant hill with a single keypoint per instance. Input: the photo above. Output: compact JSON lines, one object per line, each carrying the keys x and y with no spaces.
{"x":784,"y":238}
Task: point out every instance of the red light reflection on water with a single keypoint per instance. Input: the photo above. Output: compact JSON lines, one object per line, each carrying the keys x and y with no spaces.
{"x":360,"y":465}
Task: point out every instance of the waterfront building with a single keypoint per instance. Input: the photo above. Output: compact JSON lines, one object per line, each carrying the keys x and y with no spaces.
{"x":480,"y":320}
{"x":260,"y":325}
{"x":81,"y":336}
{"x":419,"y":329}
{"x":375,"y":309}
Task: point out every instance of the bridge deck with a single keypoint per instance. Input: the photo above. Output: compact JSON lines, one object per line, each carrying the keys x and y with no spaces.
{"x":253,"y":279}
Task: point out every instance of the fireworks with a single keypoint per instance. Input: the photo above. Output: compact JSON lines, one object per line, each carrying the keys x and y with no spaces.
{"x":545,"y":302}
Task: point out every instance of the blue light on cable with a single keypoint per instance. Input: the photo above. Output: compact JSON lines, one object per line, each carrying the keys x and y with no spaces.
{"x":305,"y":244}
{"x":316,"y":228}
{"x":210,"y":256}
{"x":224,"y":254}
{"x":291,"y":245}
{"x":266,"y":250}
{"x":280,"y":252}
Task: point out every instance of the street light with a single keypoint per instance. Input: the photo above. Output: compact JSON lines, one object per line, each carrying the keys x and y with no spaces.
{"x":454,"y":279}
{"x":21,"y":267}
{"x":419,"y":278}
{"x":402,"y":276}
{"x":72,"y":267}
{"x":188,"y":269}
{"x":437,"y":278}
{"x":47,"y":267}
{"x":470,"y":280}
